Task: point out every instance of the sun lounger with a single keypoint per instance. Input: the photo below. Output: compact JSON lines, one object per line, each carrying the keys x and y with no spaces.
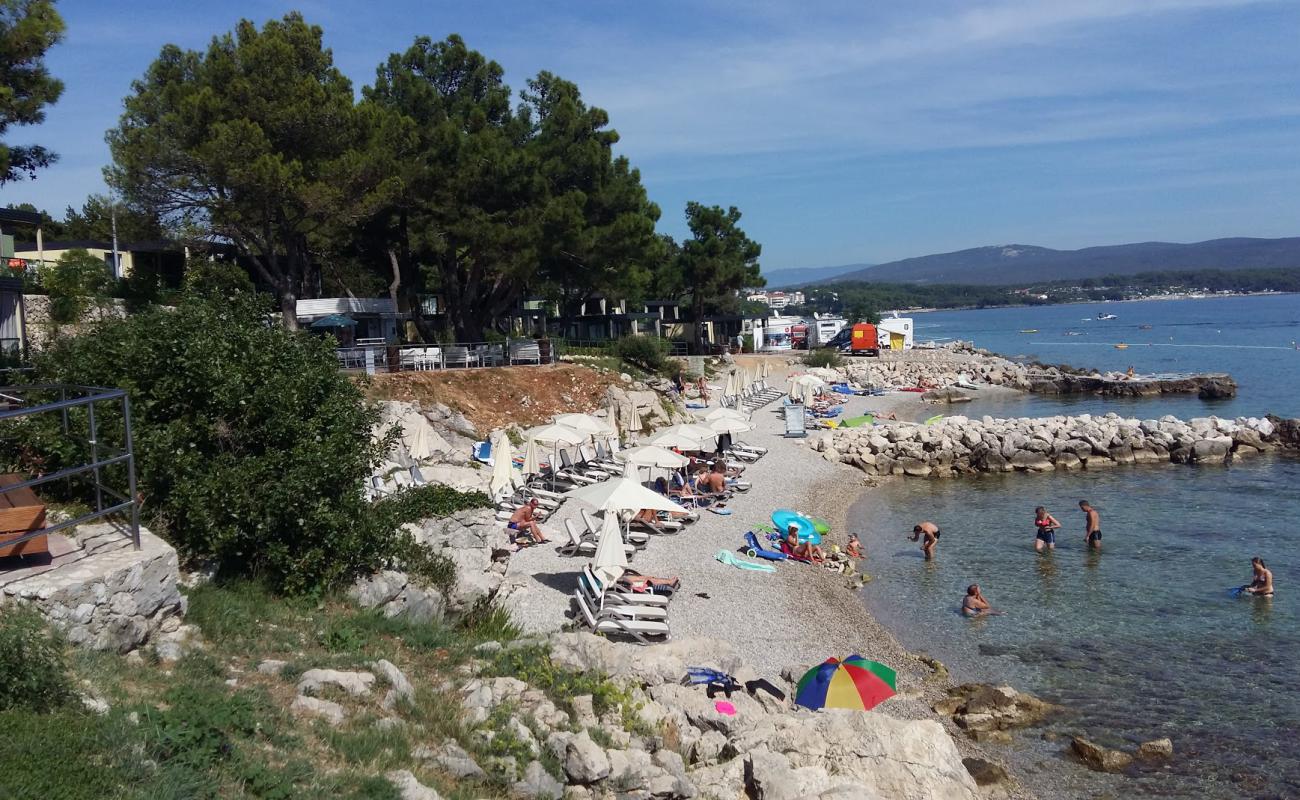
{"x":623,"y":595}
{"x":482,"y":452}
{"x":643,"y":630}
{"x":594,"y":525}
{"x":584,"y":544}
{"x":611,"y":605}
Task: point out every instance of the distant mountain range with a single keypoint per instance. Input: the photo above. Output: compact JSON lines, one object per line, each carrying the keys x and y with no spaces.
{"x":1013,"y":264}
{"x":802,"y":276}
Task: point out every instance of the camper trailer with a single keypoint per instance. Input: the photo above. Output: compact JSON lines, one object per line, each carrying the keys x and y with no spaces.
{"x":822,"y":329}
{"x":895,"y":333}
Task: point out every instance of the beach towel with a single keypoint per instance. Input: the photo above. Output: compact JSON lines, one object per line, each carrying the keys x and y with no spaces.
{"x":728,"y":557}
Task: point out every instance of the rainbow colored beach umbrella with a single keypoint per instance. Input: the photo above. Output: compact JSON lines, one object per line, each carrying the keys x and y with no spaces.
{"x":852,"y":683}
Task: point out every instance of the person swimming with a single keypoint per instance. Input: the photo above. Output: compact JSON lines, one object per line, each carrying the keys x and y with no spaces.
{"x":974,"y":604}
{"x":1047,"y":527}
{"x":1261,"y":582}
{"x":1092,"y":534}
{"x":928,"y":534}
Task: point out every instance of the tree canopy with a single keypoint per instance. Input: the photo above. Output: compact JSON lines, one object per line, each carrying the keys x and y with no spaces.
{"x":251,"y":141}
{"x":28,"y":28}
{"x":717,"y":260}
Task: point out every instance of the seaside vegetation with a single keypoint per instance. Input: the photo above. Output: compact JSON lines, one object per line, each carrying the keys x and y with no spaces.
{"x":181,"y":730}
{"x":251,"y":447}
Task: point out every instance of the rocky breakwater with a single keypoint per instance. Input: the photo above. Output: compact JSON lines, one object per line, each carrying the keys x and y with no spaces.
{"x":946,"y":366}
{"x":666,"y":740}
{"x":1053,"y":380}
{"x":959,"y":445}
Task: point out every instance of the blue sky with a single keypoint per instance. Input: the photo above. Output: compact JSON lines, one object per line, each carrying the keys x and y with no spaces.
{"x":845,"y":132}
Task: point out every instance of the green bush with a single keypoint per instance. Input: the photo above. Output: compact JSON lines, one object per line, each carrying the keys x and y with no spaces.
{"x":251,"y":447}
{"x":32,"y":663}
{"x":76,"y":280}
{"x":647,"y":352}
{"x":823,"y":357}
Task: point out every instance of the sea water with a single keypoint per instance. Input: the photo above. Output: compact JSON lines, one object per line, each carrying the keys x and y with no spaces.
{"x":1142,"y":640}
{"x":1251,"y":338}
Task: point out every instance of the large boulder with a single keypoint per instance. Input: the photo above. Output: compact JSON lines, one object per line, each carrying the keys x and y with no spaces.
{"x":477,"y":544}
{"x":1100,"y":758}
{"x":395,"y":594}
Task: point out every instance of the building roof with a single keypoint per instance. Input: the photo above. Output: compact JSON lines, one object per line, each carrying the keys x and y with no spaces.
{"x":92,"y":244}
{"x":15,"y":215}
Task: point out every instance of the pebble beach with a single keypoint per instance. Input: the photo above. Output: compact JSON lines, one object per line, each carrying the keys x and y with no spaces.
{"x":792,"y":618}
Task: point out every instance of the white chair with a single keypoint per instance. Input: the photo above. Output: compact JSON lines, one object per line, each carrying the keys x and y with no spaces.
{"x":611,"y":605}
{"x":643,"y":630}
{"x":623,"y":596}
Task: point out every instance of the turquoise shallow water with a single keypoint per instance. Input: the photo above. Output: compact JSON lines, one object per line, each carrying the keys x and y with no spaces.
{"x":1142,"y":640}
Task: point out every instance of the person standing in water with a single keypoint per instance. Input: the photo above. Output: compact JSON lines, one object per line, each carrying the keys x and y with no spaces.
{"x":928,"y":534}
{"x":974,"y":604}
{"x":1261,"y":582}
{"x":1046,"y":526}
{"x":1091,"y":536}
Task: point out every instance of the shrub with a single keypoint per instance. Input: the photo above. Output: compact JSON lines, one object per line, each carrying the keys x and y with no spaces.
{"x":73,"y":282}
{"x":823,"y":357}
{"x":32,"y":662}
{"x":251,"y":447}
{"x":647,"y":352}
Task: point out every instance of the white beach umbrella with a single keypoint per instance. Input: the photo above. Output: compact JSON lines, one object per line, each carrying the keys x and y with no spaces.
{"x":671,"y":439}
{"x":704,"y":437}
{"x":622,"y":494}
{"x":730,"y":425}
{"x":611,"y":416}
{"x":804,"y":387}
{"x":554,"y":434}
{"x":651,"y":456}
{"x":502,"y":467}
{"x":725,"y":413}
{"x":584,"y":423}
{"x":610,"y":561}
{"x":632,"y":425}
{"x":532,"y":459}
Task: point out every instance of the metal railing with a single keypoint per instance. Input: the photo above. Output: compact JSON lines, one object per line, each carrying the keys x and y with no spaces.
{"x":436,"y":356}
{"x":27,"y":401}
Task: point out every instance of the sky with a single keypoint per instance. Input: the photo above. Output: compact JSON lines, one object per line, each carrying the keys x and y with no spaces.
{"x":845,"y":132}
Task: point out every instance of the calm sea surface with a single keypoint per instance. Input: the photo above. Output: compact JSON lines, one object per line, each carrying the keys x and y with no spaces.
{"x":1142,"y":640}
{"x":1249,"y":337}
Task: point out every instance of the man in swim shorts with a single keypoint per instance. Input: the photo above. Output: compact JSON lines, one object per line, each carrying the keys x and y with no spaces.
{"x":524,"y":522}
{"x":928,"y":534}
{"x":1091,"y":536}
{"x":1261,"y":582}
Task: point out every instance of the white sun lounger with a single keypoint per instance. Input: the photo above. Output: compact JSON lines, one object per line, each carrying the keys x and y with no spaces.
{"x":643,"y":630}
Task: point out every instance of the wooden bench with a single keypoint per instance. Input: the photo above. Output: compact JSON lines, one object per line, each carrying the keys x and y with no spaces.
{"x":21,"y":512}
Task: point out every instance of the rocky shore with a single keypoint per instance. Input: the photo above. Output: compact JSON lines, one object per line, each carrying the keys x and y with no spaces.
{"x":959,"y":445}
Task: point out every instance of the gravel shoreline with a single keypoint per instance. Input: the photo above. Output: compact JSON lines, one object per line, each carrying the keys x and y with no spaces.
{"x":797,"y":616}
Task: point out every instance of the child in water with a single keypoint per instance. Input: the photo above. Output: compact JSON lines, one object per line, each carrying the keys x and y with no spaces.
{"x":1046,"y":526}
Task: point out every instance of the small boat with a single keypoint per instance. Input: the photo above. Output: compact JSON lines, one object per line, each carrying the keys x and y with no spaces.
{"x":1073,"y":333}
{"x":1144,"y":327}
{"x":1107,"y":316}
{"x":1121,"y":346}
{"x":1029,"y":330}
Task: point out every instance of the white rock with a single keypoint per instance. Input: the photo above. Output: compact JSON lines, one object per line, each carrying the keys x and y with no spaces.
{"x":408,"y":788}
{"x":331,"y":712}
{"x":356,"y":684}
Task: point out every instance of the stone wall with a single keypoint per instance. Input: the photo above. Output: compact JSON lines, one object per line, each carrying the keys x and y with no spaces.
{"x":958,"y":445}
{"x":107,"y":595}
{"x":41,"y":330}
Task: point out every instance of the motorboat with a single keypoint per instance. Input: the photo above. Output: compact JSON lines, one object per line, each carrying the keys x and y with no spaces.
{"x":1121,"y":346}
{"x":1107,"y":316}
{"x":1029,"y":330}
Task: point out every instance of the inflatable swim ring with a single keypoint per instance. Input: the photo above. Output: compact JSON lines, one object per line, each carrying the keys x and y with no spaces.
{"x":783,"y":518}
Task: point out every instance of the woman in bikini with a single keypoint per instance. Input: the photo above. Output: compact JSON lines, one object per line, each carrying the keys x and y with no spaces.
{"x":1045,"y":525}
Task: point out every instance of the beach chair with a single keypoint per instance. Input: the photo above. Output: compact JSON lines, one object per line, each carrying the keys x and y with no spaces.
{"x":623,"y":595}
{"x":594,"y":526}
{"x":482,"y":452}
{"x":582,"y":544}
{"x":611,"y":605}
{"x":592,"y":461}
{"x":576,"y":472}
{"x":645,"y":631}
